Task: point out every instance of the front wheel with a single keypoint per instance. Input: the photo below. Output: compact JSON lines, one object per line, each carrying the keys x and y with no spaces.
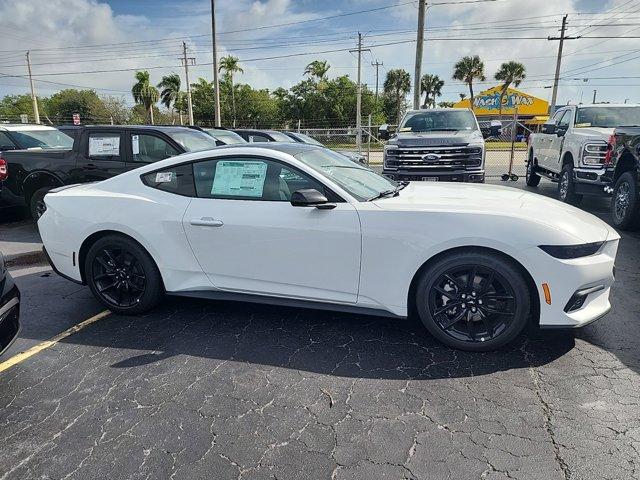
{"x":532,"y":178}
{"x":476,"y":301}
{"x":567,"y":186}
{"x":625,"y":203}
{"x":122,"y":275}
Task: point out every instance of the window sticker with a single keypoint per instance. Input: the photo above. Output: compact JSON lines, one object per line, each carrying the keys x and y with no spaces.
{"x":101,"y":146}
{"x":135,"y":144}
{"x":239,"y":179}
{"x":164,"y":177}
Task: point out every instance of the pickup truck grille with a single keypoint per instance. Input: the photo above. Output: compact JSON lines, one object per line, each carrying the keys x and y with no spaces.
{"x":444,"y":158}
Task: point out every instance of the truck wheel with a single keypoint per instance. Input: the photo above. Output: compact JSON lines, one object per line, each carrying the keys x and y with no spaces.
{"x":532,"y":178}
{"x":625,"y":204}
{"x":36,"y":203}
{"x":567,"y":187}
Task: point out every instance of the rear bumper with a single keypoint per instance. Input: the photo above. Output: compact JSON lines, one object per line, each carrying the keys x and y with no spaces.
{"x":475,"y":176}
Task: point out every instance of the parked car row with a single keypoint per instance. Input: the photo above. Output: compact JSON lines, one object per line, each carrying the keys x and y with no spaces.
{"x":591,"y":150}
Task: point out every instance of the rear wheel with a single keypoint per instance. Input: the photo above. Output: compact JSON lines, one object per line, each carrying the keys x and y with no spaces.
{"x":474,"y":301}
{"x":122,"y":275}
{"x":532,"y":178}
{"x":567,"y":186}
{"x":625,"y":204}
{"x":36,"y":204}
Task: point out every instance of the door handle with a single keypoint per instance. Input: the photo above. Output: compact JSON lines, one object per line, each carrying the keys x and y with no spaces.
{"x":206,"y":222}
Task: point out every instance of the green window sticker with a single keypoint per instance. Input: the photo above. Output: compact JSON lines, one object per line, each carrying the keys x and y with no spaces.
{"x":239,"y":178}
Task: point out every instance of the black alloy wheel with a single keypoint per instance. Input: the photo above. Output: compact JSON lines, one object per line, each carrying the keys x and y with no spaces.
{"x":567,"y":187}
{"x":473,"y":301}
{"x":626,"y":202}
{"x":118,"y":277}
{"x":532,"y":178}
{"x":122,"y":275}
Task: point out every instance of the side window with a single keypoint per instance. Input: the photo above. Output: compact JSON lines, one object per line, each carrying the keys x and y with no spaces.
{"x":5,"y":142}
{"x":104,"y":145}
{"x":254,"y":137}
{"x":564,"y":120}
{"x":249,"y":179}
{"x":149,"y":148}
{"x":177,"y":179}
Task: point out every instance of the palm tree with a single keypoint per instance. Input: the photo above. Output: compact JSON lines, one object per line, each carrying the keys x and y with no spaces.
{"x":231,"y":65}
{"x":318,"y":69}
{"x":170,"y":93}
{"x":144,"y":93}
{"x":508,"y":73}
{"x":467,"y":70}
{"x":431,"y":86}
{"x":398,"y":84}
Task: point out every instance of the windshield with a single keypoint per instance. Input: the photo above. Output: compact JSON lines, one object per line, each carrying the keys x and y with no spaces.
{"x":438,"y":120}
{"x":43,"y":139}
{"x":229,"y":138}
{"x":607,"y":117}
{"x":308,"y":139}
{"x":280,"y":137}
{"x":193,"y":140}
{"x":360,"y":182}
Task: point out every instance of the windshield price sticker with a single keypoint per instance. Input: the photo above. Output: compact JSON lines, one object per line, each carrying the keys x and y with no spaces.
{"x":102,"y":146}
{"x":239,"y":179}
{"x":164,"y":177}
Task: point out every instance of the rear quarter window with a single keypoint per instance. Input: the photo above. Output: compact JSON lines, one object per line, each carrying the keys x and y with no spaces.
{"x":176,"y":179}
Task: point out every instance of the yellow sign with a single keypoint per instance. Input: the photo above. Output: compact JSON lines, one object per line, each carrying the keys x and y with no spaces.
{"x":488,"y":103}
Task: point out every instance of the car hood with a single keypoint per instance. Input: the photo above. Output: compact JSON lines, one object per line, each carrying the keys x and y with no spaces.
{"x":598,"y":132}
{"x":407,"y":139}
{"x":494,"y":200}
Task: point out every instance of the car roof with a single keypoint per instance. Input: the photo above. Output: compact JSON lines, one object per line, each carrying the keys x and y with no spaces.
{"x":162,"y":128}
{"x":15,"y":127}
{"x":255,"y":130}
{"x":292,"y":148}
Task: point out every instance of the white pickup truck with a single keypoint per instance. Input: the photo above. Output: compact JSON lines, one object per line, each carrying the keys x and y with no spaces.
{"x":573,"y":148}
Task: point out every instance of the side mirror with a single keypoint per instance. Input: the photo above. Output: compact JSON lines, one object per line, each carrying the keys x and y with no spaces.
{"x":560,"y":131}
{"x":308,"y":197}
{"x":549,"y":128}
{"x":383,"y":132}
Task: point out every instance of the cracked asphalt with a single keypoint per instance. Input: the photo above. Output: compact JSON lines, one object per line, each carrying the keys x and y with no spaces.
{"x":199,"y":389}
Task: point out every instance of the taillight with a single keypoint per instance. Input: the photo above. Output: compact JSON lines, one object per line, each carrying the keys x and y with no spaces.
{"x":608,"y":157}
{"x":4,"y":169}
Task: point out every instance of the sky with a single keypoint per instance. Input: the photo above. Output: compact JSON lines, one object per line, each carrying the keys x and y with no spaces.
{"x":99,"y":43}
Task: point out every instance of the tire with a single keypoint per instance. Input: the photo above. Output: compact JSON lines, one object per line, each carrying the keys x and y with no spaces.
{"x":36,"y":202}
{"x":122,"y":275}
{"x":567,"y":186}
{"x":625,"y":203}
{"x":532,"y":178}
{"x":472,"y":323}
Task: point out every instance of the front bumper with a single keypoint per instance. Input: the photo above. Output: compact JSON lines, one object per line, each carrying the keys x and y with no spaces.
{"x":9,"y":313}
{"x":467,"y":176}
{"x":591,"y":181}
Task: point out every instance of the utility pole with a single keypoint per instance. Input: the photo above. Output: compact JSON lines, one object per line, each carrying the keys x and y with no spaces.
{"x":422,"y":7}
{"x":377,"y":64}
{"x":34,"y":99}
{"x":562,"y":38}
{"x":186,"y":61}
{"x":359,"y":93}
{"x":594,"y":96}
{"x":216,"y":83}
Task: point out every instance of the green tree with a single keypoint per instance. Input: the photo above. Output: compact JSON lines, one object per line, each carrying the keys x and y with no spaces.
{"x":231,"y":66}
{"x":467,"y":70}
{"x":446,"y":104}
{"x":12,"y":106}
{"x":60,"y":107}
{"x":509,"y":73}
{"x":317,"y":69}
{"x":431,"y":87}
{"x":116,"y":109}
{"x":397,"y":85}
{"x":203,"y":101}
{"x":144,"y":93}
{"x":170,"y":92}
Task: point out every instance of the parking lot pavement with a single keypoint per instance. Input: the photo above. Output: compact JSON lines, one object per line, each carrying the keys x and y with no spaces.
{"x":200,"y":389}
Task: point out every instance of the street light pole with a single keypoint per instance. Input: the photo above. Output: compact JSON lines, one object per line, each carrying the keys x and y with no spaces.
{"x":422,"y":7}
{"x":34,"y":99}
{"x":216,"y":84}
{"x":186,"y":60}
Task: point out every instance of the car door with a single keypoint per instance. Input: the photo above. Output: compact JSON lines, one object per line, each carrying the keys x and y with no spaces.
{"x":147,"y":147}
{"x":556,"y":141}
{"x":102,"y":155}
{"x":249,"y":238}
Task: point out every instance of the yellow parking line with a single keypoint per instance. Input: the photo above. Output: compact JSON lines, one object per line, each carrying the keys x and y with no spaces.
{"x":22,"y":356}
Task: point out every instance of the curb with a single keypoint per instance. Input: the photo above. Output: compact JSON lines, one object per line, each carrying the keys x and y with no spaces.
{"x":27,"y":258}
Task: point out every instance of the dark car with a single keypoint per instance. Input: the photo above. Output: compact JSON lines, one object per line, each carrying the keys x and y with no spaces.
{"x":224,"y":136}
{"x":97,"y":152}
{"x":19,"y":136}
{"x":9,"y":308}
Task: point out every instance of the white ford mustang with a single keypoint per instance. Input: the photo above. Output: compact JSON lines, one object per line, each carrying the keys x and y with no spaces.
{"x":297,"y":224}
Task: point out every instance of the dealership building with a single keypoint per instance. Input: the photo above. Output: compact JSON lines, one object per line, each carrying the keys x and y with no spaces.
{"x":532,"y":111}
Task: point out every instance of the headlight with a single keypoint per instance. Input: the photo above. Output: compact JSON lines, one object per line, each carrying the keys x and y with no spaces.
{"x":594,"y":153}
{"x":572,"y":251}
